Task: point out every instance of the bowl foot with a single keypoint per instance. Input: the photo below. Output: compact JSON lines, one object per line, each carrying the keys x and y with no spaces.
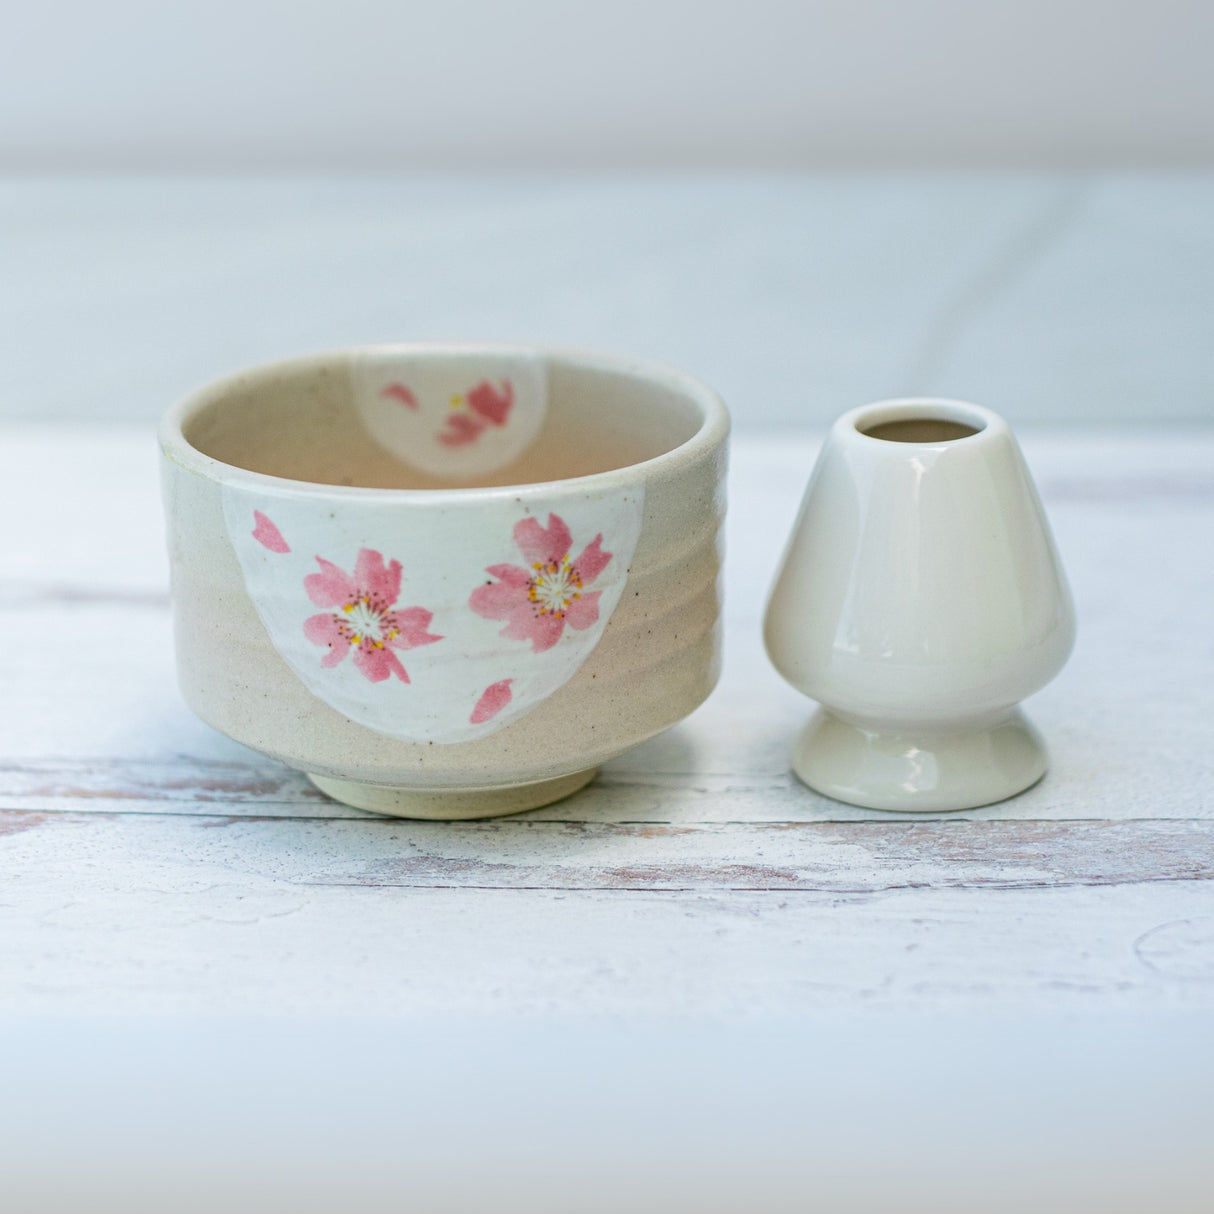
{"x":451,"y":805}
{"x":928,"y":772}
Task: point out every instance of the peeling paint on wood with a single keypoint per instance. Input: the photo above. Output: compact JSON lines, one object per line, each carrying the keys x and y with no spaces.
{"x":12,"y":823}
{"x":846,"y":858}
{"x":160,"y":913}
{"x":525,"y":854}
{"x":73,"y":784}
{"x":147,"y":864}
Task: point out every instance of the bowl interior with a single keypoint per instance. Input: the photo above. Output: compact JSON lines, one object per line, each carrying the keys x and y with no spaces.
{"x":423,"y":420}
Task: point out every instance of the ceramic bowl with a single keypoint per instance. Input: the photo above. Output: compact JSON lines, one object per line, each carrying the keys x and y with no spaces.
{"x":446,"y":581}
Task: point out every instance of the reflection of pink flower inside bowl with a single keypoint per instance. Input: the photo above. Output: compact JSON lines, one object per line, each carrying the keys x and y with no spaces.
{"x":446,"y":581}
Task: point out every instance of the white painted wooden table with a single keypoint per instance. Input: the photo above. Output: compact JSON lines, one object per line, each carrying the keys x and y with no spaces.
{"x":152,"y":865}
{"x":695,"y":986}
{"x":155,"y":872}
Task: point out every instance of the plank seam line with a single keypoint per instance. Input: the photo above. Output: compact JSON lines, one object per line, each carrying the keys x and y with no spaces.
{"x":762,"y":889}
{"x":88,"y":808}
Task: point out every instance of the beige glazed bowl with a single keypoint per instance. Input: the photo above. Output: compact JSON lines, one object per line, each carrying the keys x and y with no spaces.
{"x":446,"y":581}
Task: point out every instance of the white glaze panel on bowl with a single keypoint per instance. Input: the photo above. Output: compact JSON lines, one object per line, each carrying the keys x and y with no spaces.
{"x":401,"y":628}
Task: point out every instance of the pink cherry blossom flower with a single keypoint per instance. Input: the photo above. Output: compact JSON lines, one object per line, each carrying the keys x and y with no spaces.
{"x":538,"y":602}
{"x":365,"y":621}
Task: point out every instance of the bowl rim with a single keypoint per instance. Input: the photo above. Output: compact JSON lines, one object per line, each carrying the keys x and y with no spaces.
{"x":710,"y":435}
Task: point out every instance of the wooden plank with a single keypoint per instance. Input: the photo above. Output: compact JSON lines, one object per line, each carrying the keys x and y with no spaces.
{"x":524,"y":853}
{"x":148,"y":865}
{"x":109,"y":727}
{"x":156,"y":914}
{"x":623,"y":793}
{"x":850,"y":858}
{"x":185,"y":785}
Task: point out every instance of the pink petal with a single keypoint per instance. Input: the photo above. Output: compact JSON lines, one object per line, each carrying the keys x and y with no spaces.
{"x":378,"y":664}
{"x":412,"y":623}
{"x":329,"y":588}
{"x":460,"y":430}
{"x":540,"y":545}
{"x":512,"y":575}
{"x":583,"y":612}
{"x":326,"y":630}
{"x":499,"y":600}
{"x":493,"y":700}
{"x":372,"y":578}
{"x":267,"y":535}
{"x":400,"y":393}
{"x":492,"y":405}
{"x":593,"y":560}
{"x":526,"y":624}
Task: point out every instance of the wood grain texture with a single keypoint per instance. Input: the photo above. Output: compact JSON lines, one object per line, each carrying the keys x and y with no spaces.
{"x":151,"y":913}
{"x":695,"y":982}
{"x":786,"y":857}
{"x":148,"y":864}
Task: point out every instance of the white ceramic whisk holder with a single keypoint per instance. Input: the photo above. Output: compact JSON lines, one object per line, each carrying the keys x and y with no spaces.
{"x":919,"y":600}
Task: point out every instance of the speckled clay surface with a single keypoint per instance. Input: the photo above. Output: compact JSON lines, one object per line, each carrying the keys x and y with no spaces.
{"x":378,"y":580}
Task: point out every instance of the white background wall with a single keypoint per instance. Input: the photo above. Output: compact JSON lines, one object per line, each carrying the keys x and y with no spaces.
{"x":1052,"y":296}
{"x":798,"y":296}
{"x":372,"y":83}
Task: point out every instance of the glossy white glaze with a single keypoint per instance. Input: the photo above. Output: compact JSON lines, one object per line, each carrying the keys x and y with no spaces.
{"x":919,"y":599}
